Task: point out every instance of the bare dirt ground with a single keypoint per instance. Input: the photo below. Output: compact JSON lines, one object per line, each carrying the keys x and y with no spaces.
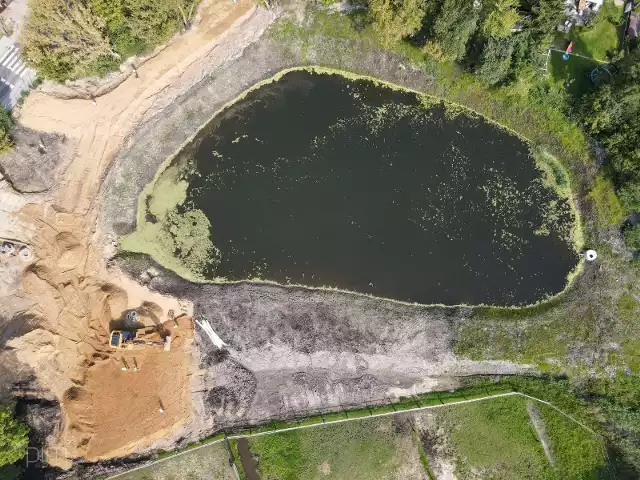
{"x":292,"y":352}
{"x":57,"y":308}
{"x":115,"y":410}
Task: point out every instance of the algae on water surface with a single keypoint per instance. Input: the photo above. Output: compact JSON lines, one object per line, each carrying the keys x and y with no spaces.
{"x":383,"y":195}
{"x":176,"y":235}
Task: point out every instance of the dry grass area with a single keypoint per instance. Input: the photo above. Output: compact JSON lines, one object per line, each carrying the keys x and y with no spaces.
{"x":202,"y":464}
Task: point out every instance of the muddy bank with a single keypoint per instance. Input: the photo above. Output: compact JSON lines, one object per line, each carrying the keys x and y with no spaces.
{"x":292,"y":352}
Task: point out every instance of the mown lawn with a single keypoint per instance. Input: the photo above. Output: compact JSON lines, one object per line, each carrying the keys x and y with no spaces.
{"x":497,"y":439}
{"x":602,"y":36}
{"x":573,"y":73}
{"x":366,"y":449}
{"x":599,"y":41}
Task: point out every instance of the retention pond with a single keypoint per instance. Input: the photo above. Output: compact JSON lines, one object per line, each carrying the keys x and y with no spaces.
{"x":325,"y":181}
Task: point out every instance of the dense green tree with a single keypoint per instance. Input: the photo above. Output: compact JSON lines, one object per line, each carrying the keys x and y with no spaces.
{"x":612,"y":113}
{"x":62,"y":38}
{"x":548,"y":14}
{"x":629,"y":194}
{"x":500,"y":17}
{"x":13,"y":437}
{"x":65,"y":40}
{"x":134,"y":26}
{"x":396,"y":19}
{"x":496,"y":60}
{"x":455,"y":23}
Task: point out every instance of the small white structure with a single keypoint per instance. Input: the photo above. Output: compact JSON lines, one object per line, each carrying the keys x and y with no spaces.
{"x":167,"y":343}
{"x":206,"y":326}
{"x":590,"y":255}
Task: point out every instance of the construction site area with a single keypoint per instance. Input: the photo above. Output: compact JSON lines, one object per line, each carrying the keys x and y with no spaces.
{"x":110,"y":339}
{"x":132,"y":359}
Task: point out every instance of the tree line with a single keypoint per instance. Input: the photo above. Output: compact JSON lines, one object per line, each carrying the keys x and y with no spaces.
{"x":504,"y":42}
{"x":66,"y":39}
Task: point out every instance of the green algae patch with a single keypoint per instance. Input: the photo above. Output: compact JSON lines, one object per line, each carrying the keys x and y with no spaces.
{"x":176,"y":236}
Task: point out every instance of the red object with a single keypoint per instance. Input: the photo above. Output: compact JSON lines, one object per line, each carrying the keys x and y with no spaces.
{"x":569,"y":48}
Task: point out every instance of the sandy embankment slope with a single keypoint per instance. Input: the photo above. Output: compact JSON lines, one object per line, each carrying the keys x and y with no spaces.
{"x":73,"y":295}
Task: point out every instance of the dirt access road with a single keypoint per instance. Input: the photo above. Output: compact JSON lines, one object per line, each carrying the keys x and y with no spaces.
{"x":67,"y":297}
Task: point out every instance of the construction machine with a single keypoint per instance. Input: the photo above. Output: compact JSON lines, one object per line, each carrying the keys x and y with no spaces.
{"x":138,"y":339}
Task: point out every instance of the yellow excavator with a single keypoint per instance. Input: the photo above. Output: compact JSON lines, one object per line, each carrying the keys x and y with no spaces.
{"x":138,"y":339}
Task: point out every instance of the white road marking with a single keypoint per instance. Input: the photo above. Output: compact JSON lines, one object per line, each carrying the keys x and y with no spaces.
{"x":6,"y":54}
{"x":9,"y":59}
{"x":22,"y":68}
{"x":13,"y":63}
{"x":6,"y":82}
{"x":16,"y":65}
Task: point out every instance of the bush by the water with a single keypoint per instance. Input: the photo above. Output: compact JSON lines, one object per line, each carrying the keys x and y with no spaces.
{"x":13,"y":437}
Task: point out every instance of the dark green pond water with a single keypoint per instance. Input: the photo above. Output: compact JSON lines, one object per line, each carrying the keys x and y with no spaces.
{"x":324,"y":181}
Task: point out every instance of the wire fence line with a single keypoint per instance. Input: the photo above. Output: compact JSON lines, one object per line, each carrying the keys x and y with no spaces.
{"x":236,"y":436}
{"x":578,"y":55}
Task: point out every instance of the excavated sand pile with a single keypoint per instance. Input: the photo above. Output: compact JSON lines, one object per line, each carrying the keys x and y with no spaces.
{"x":67,"y":292}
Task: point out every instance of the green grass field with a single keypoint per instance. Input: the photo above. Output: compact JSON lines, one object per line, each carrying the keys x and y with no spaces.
{"x":572,"y":73}
{"x":579,"y":454}
{"x":496,"y":438}
{"x":367,"y":449}
{"x":602,"y":37}
{"x":599,"y":41}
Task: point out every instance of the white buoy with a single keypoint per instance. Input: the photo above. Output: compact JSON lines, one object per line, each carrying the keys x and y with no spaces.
{"x":590,"y":255}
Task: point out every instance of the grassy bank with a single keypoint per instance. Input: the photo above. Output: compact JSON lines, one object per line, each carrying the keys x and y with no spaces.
{"x":494,"y":436}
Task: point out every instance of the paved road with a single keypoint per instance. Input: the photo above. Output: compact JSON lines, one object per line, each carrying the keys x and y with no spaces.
{"x":15,"y":76}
